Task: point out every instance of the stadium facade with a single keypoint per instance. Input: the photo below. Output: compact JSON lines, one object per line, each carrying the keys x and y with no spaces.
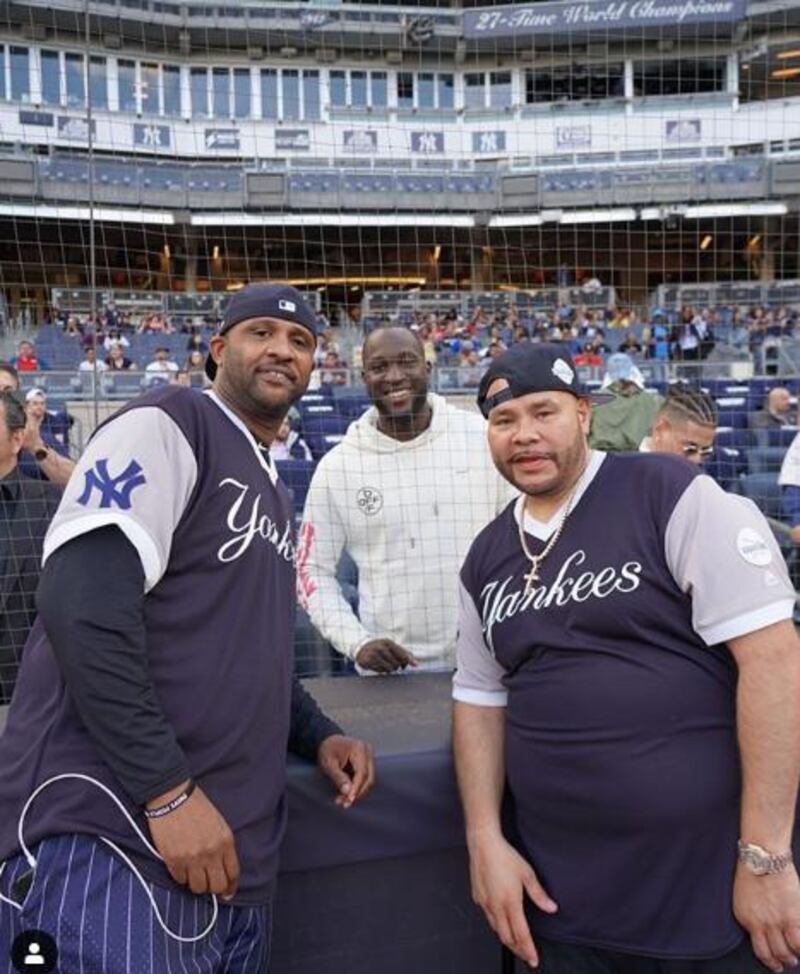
{"x":194,"y":146}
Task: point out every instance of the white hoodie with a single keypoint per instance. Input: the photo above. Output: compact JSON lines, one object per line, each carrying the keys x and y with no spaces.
{"x":406,"y":512}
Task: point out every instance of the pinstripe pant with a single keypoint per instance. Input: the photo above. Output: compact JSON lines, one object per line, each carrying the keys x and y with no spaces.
{"x":95,"y":909}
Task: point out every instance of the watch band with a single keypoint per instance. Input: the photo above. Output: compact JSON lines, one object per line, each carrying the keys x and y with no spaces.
{"x":760,"y":861}
{"x":42,"y":453}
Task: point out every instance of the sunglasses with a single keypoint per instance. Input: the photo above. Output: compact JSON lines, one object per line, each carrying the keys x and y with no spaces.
{"x":693,"y":450}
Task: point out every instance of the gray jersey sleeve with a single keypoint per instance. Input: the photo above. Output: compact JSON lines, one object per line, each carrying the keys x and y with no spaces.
{"x":721,"y":551}
{"x":479,"y":677}
{"x":137,"y":473}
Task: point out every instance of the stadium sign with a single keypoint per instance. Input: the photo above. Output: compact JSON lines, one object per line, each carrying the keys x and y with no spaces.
{"x":37,"y":118}
{"x":151,"y":136}
{"x":74,"y":128}
{"x":296,"y":140}
{"x":360,"y":140}
{"x":683,"y":130}
{"x":488,"y":141}
{"x":573,"y":137}
{"x":427,"y":143}
{"x":561,"y":18}
{"x":222,"y":139}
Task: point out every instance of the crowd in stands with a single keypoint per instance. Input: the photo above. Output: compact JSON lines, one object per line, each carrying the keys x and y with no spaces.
{"x":123,"y":341}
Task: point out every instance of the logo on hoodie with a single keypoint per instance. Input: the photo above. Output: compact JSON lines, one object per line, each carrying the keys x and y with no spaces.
{"x":369,"y":500}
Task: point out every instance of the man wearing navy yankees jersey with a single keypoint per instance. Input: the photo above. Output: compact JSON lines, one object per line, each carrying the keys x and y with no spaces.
{"x":627,"y":663}
{"x":156,"y":690}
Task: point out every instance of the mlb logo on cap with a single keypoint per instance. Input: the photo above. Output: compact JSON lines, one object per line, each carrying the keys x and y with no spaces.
{"x":287,"y":305}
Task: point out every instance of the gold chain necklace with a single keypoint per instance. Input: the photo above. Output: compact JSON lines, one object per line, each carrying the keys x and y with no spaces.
{"x":536,"y":560}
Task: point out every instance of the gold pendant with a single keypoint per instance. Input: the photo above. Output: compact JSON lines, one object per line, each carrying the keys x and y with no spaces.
{"x":531,"y":577}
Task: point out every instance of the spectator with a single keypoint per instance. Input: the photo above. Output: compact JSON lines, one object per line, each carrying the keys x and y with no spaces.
{"x":386,"y":496}
{"x":26,"y":359}
{"x":589,"y":356}
{"x":162,"y":367}
{"x":630,"y":345}
{"x":196,"y":343}
{"x":288,"y":444}
{"x":778,"y":411}
{"x":155,"y":324}
{"x":26,"y":507}
{"x":117,"y":360}
{"x":334,"y":370}
{"x":44,"y":457}
{"x":789,"y":481}
{"x":686,"y":425}
{"x":624,"y":421}
{"x":115,"y":337}
{"x":9,"y":379}
{"x":91,"y":363}
{"x":193,"y":372}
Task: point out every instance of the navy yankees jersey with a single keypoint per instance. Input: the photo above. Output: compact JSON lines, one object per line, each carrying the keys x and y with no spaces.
{"x":620,"y":750}
{"x":183,"y":478}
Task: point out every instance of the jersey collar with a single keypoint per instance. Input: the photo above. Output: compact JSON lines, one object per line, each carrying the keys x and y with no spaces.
{"x":262,"y":455}
{"x":543,"y":529}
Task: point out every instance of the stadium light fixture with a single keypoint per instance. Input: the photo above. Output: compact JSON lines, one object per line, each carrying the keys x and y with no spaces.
{"x":517,"y":220}
{"x":783,"y":73}
{"x":619,"y":215}
{"x":331,"y":220}
{"x":714,"y":210}
{"x":104,"y":215}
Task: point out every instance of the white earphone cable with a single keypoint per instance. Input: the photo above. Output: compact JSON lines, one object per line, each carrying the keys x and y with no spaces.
{"x":31,"y":860}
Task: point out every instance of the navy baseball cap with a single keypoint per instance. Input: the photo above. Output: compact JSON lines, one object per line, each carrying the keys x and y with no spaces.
{"x":265,"y":301}
{"x":531,"y":367}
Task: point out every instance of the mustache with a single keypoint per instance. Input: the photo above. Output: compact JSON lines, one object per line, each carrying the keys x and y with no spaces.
{"x":532,"y":455}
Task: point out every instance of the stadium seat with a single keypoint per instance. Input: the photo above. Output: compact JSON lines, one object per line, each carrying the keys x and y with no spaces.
{"x":783,"y":436}
{"x":726,"y":466}
{"x":765,"y":459}
{"x":763,"y":489}
{"x":296,"y":475}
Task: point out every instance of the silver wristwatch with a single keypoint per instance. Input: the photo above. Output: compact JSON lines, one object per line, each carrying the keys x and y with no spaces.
{"x":760,"y":862}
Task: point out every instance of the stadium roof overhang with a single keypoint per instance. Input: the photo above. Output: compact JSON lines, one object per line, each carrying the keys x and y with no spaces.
{"x":290,"y":29}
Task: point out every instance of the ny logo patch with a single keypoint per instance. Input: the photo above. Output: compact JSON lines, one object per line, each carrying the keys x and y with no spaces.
{"x":114,"y":491}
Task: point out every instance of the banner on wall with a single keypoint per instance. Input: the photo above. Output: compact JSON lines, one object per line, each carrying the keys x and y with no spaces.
{"x":561,"y":18}
{"x":295,"y":140}
{"x":74,"y":128}
{"x":573,"y":137}
{"x":427,"y":143}
{"x":488,"y":141}
{"x":683,"y":130}
{"x":222,"y":139}
{"x":360,"y":140}
{"x":151,"y":136}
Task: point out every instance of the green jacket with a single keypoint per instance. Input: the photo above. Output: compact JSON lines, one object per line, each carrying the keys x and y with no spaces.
{"x":622,"y":424}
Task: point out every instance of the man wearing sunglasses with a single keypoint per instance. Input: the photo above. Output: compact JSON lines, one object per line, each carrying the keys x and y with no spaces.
{"x":686,"y":425}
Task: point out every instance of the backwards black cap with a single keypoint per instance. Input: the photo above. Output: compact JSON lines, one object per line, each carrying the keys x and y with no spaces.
{"x":530,"y":367}
{"x":265,"y":301}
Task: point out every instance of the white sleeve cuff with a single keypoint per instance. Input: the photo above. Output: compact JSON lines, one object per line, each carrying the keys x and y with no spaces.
{"x":749,"y":622}
{"x":138,"y":536}
{"x":480,"y":698}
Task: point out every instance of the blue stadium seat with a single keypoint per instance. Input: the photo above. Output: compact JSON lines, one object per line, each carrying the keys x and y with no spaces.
{"x":726,"y":466}
{"x":296,"y":475}
{"x":765,"y":459}
{"x":763,"y":489}
{"x":732,"y":411}
{"x":783,"y":436}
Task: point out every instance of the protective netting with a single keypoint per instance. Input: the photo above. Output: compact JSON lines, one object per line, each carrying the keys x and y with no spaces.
{"x":617,"y":176}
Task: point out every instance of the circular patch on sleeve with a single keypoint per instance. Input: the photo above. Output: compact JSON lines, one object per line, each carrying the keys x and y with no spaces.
{"x":753,"y":548}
